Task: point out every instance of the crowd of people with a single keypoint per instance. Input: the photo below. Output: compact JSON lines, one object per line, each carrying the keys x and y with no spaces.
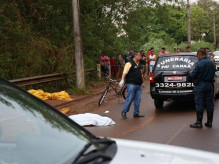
{"x":111,"y":64}
{"x":134,"y":67}
{"x":115,"y":65}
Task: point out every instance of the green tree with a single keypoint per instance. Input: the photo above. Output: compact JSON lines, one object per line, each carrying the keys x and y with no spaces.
{"x":211,"y":7}
{"x":163,"y":22}
{"x":199,"y":22}
{"x":37,"y":35}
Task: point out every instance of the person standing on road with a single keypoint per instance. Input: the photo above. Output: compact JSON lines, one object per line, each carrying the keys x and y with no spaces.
{"x":204,"y":75}
{"x":127,"y":57}
{"x":148,"y":61}
{"x":102,"y":63}
{"x":119,"y":65}
{"x":153,"y":59}
{"x":107,"y":62}
{"x":178,"y":50}
{"x":113,"y":66}
{"x":143,"y":61}
{"x":188,"y":49}
{"x":163,"y":51}
{"x":133,"y":75}
{"x":208,"y":53}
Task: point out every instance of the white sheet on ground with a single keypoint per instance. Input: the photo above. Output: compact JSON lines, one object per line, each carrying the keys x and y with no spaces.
{"x":92,"y":119}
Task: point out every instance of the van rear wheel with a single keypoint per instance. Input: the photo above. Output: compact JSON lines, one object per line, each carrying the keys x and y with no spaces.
{"x":158,"y":104}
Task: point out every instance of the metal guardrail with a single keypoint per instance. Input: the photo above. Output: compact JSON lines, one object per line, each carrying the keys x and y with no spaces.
{"x":44,"y":78}
{"x":39,"y":79}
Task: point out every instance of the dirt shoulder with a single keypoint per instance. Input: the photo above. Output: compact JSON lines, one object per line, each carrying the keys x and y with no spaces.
{"x":95,"y":91}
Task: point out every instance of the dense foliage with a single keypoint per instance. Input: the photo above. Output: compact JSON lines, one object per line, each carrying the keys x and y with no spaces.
{"x":37,"y":35}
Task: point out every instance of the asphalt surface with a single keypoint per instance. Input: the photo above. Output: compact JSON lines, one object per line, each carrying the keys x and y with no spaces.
{"x":170,"y":126}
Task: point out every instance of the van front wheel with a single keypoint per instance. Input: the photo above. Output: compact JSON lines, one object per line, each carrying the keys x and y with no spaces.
{"x":158,"y":104}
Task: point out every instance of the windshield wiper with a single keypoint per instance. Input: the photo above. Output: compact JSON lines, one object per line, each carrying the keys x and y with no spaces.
{"x":98,"y":153}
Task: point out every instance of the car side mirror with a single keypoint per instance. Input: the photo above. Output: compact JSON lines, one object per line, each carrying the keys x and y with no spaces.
{"x":217,"y":68}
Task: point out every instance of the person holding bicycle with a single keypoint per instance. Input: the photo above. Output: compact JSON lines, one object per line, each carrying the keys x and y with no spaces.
{"x":132,"y":74}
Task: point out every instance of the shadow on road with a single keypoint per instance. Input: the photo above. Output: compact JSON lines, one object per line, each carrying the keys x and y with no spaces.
{"x":178,"y":106}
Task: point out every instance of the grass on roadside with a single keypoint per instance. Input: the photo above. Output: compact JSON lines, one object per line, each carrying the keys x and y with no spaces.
{"x":91,"y":82}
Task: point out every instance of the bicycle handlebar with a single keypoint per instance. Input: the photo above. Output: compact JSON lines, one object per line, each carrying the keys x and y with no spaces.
{"x":108,"y":78}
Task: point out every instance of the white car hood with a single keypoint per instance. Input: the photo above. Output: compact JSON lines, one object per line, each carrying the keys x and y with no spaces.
{"x":135,"y":152}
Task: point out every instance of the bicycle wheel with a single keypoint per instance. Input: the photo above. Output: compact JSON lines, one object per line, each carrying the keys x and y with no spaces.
{"x":124,"y":92}
{"x":103,"y":96}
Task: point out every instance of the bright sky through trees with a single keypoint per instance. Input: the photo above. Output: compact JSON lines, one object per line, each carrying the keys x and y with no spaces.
{"x":197,"y":0}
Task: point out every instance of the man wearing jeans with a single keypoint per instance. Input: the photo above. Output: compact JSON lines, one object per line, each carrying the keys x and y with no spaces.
{"x":204,"y":75}
{"x":133,"y":75}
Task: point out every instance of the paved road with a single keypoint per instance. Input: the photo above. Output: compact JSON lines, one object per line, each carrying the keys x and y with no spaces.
{"x":171,"y":126}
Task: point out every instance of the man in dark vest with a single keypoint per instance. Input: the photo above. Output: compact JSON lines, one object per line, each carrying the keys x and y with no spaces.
{"x":203,"y":74}
{"x":132,"y":74}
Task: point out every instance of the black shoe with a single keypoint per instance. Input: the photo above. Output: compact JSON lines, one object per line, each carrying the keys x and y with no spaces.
{"x":208,"y":124}
{"x":138,"y":115}
{"x":196,"y":125}
{"x":123,"y":115}
{"x":209,"y":119}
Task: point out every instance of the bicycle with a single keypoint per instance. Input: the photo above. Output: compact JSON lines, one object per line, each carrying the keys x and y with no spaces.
{"x":122,"y":92}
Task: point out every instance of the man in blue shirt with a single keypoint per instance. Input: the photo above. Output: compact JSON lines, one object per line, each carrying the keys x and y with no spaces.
{"x":203,"y":75}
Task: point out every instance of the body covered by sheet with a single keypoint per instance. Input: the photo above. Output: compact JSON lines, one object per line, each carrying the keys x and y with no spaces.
{"x":92,"y":119}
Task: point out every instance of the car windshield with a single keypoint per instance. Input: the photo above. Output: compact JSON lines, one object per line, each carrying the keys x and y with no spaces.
{"x":176,"y":62}
{"x":33,"y":132}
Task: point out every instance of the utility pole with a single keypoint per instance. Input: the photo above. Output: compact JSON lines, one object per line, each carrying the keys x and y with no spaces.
{"x":189,"y":24}
{"x":79,"y":59}
{"x":214,"y":31}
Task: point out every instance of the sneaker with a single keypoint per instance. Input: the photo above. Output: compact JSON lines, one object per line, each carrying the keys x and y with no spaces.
{"x":138,"y":115}
{"x":123,"y":115}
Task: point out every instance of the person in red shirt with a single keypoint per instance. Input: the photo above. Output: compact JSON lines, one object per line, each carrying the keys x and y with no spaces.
{"x":179,"y":50}
{"x":102,"y":63}
{"x":163,"y":51}
{"x":188,"y":49}
{"x":113,"y":66}
{"x":149,"y":52}
{"x":148,"y":60}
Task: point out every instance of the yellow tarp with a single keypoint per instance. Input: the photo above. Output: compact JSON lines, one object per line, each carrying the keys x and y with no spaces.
{"x":64,"y":110}
{"x":50,"y":96}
